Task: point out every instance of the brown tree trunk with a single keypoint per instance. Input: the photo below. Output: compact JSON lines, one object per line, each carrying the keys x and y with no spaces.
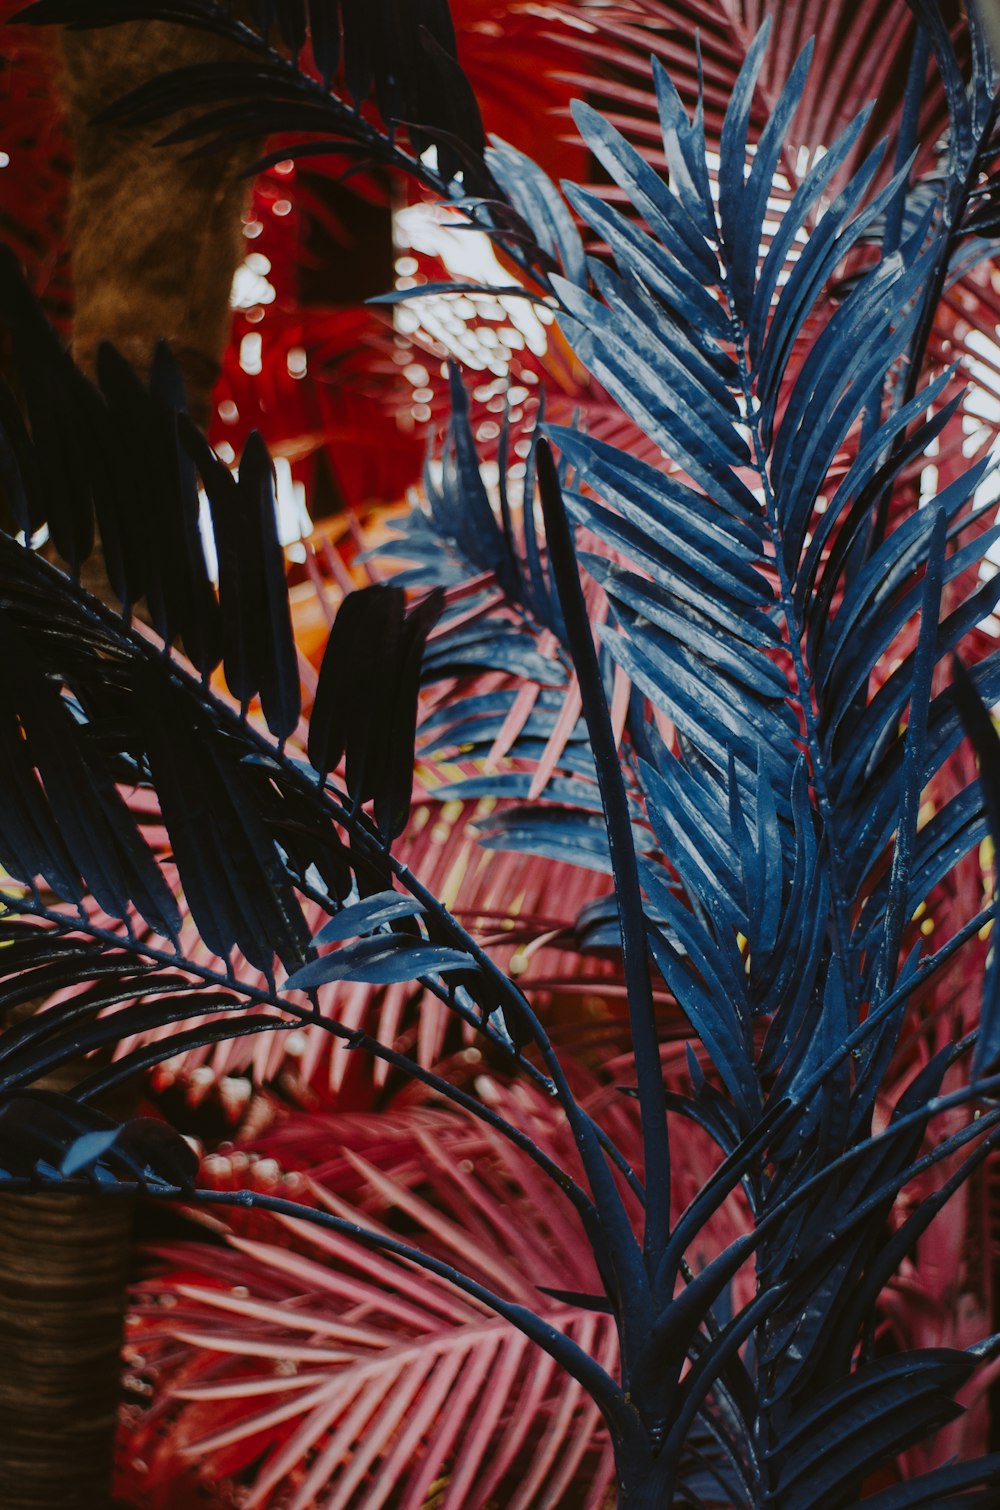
{"x":156,"y":236}
{"x":64,"y":1262}
{"x":63,"y":1271}
{"x":155,"y":243}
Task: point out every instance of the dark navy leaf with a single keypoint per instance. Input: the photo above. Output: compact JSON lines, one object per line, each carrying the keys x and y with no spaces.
{"x":46,"y":1138}
{"x":536,"y":198}
{"x":356,"y":672}
{"x":264,"y":565}
{"x":378,"y":961}
{"x":236,"y":886}
{"x":365,"y":916}
{"x":80,"y":816}
{"x":392,"y":794}
{"x":944,"y":1488}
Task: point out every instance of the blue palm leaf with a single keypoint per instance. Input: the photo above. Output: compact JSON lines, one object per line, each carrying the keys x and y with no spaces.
{"x":794,"y":222}
{"x":536,"y":199}
{"x":883,"y":711}
{"x":699,"y":698}
{"x":869,"y":617}
{"x":807,"y":857}
{"x":662,"y":398}
{"x":877,"y":759}
{"x":674,"y":515}
{"x":457,"y":537}
{"x":638,"y":313}
{"x":945,"y":1489}
{"x":685,"y":150}
{"x":567,"y":791}
{"x":845,"y":368}
{"x":840,"y":229}
{"x":956,"y":828}
{"x":850,"y":507}
{"x":654,"y":261}
{"x":840,"y":1437}
{"x":745,"y":664}
{"x":554,"y":832}
{"x":742,"y":203}
{"x":707,"y":977}
{"x":473,"y":732}
{"x":691,"y":824}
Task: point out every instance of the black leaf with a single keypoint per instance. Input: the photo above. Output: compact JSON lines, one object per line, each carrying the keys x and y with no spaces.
{"x":263,"y":565}
{"x":46,"y":1138}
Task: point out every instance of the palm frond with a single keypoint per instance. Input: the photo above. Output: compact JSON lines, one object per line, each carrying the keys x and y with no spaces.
{"x":48,"y":1138}
{"x":445,"y":1394}
{"x":240,"y":817}
{"x":868,"y":50}
{"x":740,"y":715}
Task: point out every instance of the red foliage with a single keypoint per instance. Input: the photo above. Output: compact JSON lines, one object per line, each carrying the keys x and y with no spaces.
{"x":34,"y":178}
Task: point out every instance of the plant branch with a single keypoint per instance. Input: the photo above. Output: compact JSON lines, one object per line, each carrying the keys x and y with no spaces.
{"x":631,"y":915}
{"x":312,"y":1017}
{"x":591,"y":1141}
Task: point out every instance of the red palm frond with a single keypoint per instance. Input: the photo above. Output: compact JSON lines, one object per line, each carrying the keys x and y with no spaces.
{"x":312,"y":1373}
{"x":865,"y":48}
{"x":298,"y":1370}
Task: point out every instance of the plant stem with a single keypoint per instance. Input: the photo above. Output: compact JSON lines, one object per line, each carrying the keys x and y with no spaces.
{"x":309,"y":1017}
{"x":841,"y":916}
{"x":631,"y":915}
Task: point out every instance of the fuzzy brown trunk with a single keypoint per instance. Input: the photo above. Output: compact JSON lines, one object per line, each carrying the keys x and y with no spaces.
{"x":64,"y":1262}
{"x":156,"y":236}
{"x":155,"y":243}
{"x":63,"y":1271}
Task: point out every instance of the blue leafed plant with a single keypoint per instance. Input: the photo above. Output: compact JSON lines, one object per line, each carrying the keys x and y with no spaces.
{"x":790,"y":625}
